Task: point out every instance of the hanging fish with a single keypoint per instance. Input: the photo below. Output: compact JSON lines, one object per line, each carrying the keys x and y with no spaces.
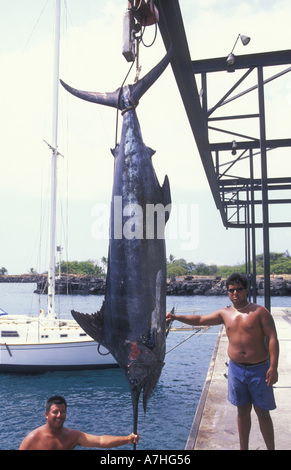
{"x":131,"y":323}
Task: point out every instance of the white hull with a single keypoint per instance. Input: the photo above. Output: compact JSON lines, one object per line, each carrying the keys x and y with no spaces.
{"x":38,"y":345}
{"x":29,"y":344}
{"x":53,"y":357}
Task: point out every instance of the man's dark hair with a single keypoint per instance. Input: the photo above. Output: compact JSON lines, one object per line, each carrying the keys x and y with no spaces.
{"x":55,"y":400}
{"x":237,"y":278}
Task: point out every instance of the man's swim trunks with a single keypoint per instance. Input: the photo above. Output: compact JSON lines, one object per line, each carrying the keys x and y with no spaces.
{"x":247,"y":384}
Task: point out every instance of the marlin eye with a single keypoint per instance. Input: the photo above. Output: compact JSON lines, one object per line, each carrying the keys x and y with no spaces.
{"x":134,"y":382}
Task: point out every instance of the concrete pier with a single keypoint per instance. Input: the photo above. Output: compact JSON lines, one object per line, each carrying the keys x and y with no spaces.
{"x":215,"y":422}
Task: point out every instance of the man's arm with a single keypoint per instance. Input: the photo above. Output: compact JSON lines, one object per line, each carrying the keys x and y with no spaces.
{"x":214,"y":318}
{"x":105,"y":442}
{"x":270,"y":332}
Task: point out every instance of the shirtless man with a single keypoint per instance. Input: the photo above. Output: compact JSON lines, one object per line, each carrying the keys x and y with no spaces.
{"x":253,"y":361}
{"x":54,"y":436}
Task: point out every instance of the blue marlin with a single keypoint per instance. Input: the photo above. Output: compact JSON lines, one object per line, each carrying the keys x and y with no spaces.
{"x":131,"y":323}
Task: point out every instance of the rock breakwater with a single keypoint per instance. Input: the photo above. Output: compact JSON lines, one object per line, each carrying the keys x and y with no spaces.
{"x":74,"y":286}
{"x":189,"y":285}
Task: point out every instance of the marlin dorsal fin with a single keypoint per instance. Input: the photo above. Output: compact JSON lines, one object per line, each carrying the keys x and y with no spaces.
{"x":92,"y":324}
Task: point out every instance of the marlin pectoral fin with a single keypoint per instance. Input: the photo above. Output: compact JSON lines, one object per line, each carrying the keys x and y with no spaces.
{"x":151,"y":383}
{"x":152,"y":341}
{"x":92,"y":324}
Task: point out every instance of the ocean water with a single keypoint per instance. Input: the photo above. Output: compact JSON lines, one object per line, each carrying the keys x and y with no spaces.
{"x":99,"y":402}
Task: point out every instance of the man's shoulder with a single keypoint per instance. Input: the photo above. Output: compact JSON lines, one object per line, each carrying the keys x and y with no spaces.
{"x":32,"y":437}
{"x":226,"y":311}
{"x":71,"y":432}
{"x":36,"y":432}
{"x":72,"y":435}
{"x":223,"y":313}
{"x":260,"y":309}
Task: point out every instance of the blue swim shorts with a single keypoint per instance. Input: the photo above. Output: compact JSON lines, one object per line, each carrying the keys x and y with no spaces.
{"x":247,"y":384}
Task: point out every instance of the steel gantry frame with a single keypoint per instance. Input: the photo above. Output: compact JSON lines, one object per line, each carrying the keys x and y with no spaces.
{"x":231,"y":164}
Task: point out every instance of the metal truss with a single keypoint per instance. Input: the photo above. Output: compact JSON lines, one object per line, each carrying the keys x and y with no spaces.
{"x":239,"y":189}
{"x":236,"y":162}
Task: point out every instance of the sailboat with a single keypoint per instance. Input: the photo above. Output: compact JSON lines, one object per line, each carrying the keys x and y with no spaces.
{"x":43,"y":342}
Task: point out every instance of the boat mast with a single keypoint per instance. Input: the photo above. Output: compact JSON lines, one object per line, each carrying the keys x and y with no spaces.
{"x":52,"y":259}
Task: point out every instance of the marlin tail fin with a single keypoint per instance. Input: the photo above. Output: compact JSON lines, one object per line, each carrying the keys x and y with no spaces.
{"x":136,"y":91}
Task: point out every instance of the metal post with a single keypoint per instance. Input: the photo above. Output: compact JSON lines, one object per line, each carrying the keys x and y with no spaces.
{"x":248,"y":244}
{"x":52,"y":263}
{"x":253,"y":221}
{"x":265,"y":203}
{"x":204,"y":97}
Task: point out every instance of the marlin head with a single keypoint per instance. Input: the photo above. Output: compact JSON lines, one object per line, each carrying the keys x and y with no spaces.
{"x":143,"y":370}
{"x":118,"y":99}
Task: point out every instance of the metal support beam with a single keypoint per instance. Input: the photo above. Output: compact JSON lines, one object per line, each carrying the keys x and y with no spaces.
{"x":264,"y":59}
{"x":235,"y":195}
{"x":264,"y":176}
{"x":253,"y":221}
{"x":172,"y":30}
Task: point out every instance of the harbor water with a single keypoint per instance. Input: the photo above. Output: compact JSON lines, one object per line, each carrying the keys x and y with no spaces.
{"x":99,"y":402}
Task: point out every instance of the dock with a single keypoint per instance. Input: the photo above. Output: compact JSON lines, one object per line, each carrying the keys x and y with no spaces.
{"x":215,"y":422}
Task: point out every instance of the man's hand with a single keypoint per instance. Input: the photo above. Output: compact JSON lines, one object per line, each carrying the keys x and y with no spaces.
{"x":272,"y":376}
{"x":133,"y":438}
{"x":169,"y":317}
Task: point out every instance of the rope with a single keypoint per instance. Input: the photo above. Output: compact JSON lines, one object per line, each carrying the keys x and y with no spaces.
{"x":31,"y":34}
{"x":186,"y":339}
{"x":102,"y":354}
{"x":138,"y":67}
{"x":116,"y":129}
{"x":133,"y":106}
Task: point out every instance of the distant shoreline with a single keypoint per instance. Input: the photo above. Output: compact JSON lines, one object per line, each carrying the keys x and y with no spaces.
{"x":182,"y":285}
{"x":21,"y":278}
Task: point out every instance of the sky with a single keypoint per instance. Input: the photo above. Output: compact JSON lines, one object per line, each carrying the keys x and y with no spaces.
{"x":91,"y":59}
